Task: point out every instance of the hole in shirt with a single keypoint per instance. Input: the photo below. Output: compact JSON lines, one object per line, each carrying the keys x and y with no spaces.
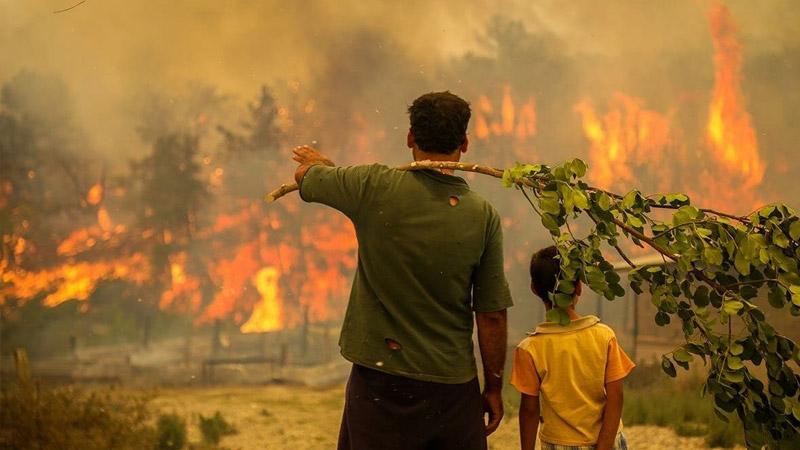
{"x":392,"y":344}
{"x":453,"y":200}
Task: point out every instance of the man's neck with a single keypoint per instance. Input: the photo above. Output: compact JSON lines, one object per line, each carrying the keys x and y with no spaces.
{"x":421,"y":155}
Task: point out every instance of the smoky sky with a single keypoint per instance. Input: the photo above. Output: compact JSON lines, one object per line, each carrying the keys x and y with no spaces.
{"x":112,"y":54}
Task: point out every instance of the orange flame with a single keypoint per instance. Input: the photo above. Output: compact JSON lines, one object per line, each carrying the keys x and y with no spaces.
{"x":267,"y":314}
{"x":71,"y":281}
{"x":624,"y":138}
{"x":182,"y":286}
{"x":518,"y":120}
{"x":629,"y":139}
{"x":95,"y":194}
{"x":731,"y":137}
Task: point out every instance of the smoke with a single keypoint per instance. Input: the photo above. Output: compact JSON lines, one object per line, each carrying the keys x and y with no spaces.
{"x":113,"y":53}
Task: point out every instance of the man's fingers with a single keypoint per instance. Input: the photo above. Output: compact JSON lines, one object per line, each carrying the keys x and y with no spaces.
{"x":494,"y":422}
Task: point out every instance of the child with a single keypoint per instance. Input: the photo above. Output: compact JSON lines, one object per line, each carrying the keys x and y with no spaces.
{"x":570,"y":377}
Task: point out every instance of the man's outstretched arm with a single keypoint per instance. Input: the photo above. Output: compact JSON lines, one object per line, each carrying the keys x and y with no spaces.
{"x":492,"y":335}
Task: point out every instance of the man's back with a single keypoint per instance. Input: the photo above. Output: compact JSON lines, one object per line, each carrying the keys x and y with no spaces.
{"x":430,"y":253}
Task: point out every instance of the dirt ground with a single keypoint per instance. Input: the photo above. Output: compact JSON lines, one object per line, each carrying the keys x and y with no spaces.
{"x":301,"y":418}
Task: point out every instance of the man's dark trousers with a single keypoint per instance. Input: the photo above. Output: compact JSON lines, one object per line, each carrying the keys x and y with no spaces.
{"x":389,"y":412}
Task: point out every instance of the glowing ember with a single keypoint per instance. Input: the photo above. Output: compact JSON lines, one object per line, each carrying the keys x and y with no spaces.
{"x":95,"y":195}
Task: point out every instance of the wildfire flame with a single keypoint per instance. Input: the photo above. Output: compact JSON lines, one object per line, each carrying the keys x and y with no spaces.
{"x":71,"y":281}
{"x":629,"y":139}
{"x":625,"y":138}
{"x":269,"y":271}
{"x":267,"y":314}
{"x":731,"y":137}
{"x":511,"y":120}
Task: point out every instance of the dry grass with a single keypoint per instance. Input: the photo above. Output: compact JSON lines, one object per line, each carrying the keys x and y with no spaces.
{"x":281,"y":417}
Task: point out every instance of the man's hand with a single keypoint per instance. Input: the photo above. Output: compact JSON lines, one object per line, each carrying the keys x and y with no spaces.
{"x":307,"y":157}
{"x":493,"y":406}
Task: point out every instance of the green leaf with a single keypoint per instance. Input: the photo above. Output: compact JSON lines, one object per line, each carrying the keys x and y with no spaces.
{"x":629,"y":200}
{"x":563,"y":300}
{"x":550,"y":205}
{"x":566,"y":286}
{"x":736,"y":349}
{"x":780,"y":239}
{"x":742,"y":264}
{"x":557,"y":315}
{"x":604,"y":201}
{"x":668,"y":367}
{"x":580,"y":200}
{"x":795,"y":290}
{"x":508,"y":181}
{"x":701,"y":296}
{"x":705,"y":232}
{"x":766,"y":211}
{"x":794,"y":230}
{"x":734,"y":377}
{"x":682,"y":355}
{"x":735,"y":363}
{"x":578,"y":167}
{"x":550,"y":223}
{"x":713,"y":256}
{"x":777,"y":296}
{"x":662,"y":318}
{"x":635,"y":221}
{"x":732,"y":307}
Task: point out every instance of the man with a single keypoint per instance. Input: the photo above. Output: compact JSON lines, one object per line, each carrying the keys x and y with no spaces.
{"x":430,"y":254}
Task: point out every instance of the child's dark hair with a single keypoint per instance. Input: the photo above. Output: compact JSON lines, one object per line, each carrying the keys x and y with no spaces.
{"x":545,"y":268}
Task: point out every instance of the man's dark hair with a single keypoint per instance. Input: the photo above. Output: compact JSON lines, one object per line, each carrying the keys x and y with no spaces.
{"x":545,"y":268}
{"x":439,"y":122}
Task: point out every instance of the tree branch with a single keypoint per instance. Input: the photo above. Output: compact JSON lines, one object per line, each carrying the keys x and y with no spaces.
{"x":416,"y":165}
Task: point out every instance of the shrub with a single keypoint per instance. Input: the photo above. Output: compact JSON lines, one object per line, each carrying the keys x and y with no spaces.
{"x":214,"y":427}
{"x":171,"y":431}
{"x":33,"y":416}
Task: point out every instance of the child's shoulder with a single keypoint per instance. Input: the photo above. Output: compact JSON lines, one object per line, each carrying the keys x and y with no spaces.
{"x":601,"y":332}
{"x":527,"y":342}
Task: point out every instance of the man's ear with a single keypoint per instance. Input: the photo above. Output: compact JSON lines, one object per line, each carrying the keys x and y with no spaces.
{"x":410,"y":141}
{"x":465,"y":146}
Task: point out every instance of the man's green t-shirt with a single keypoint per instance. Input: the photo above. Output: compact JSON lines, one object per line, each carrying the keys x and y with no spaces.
{"x":424,"y":267}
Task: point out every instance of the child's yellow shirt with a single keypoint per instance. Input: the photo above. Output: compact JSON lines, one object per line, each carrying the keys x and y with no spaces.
{"x":568,"y":367}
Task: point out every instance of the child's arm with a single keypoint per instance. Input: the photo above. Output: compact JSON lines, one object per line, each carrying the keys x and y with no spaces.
{"x":528,"y":420}
{"x":612,"y":413}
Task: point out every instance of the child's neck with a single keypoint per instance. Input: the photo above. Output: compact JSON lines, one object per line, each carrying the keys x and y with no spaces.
{"x":572,"y":314}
